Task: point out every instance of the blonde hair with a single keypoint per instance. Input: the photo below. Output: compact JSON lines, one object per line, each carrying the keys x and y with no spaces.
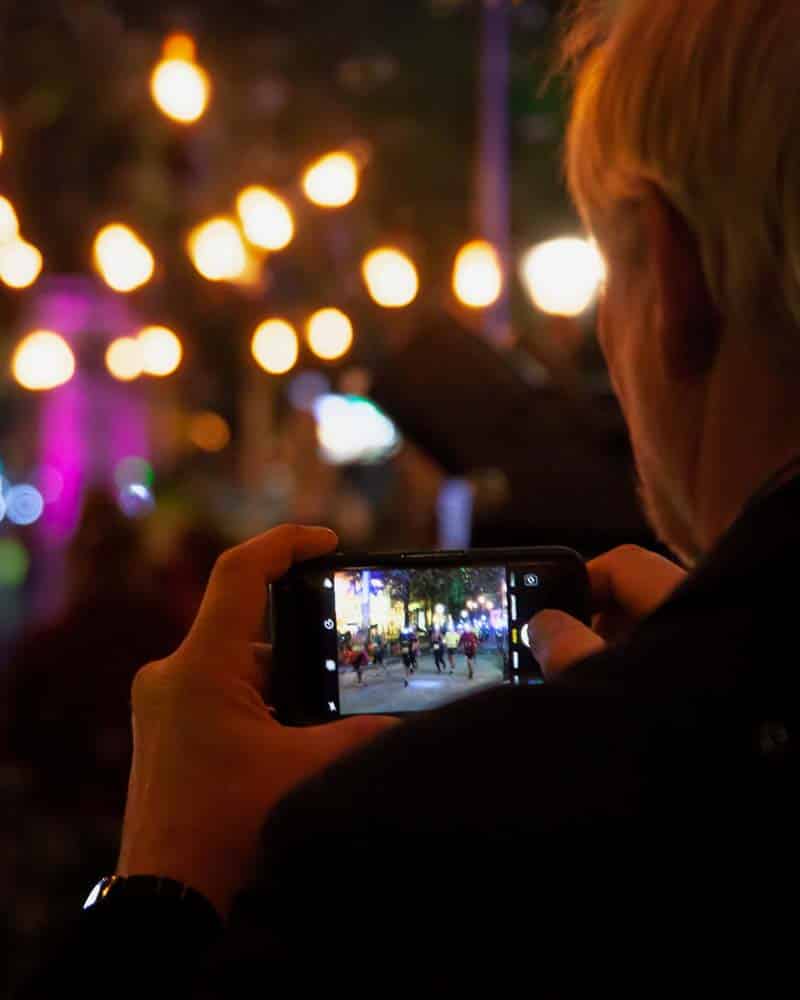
{"x":700,"y":98}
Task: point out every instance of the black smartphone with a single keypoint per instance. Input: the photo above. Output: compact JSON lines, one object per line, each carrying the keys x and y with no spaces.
{"x":404,"y":632}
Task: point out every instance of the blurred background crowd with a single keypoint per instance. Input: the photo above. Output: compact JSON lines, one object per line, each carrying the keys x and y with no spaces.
{"x":264,"y":261}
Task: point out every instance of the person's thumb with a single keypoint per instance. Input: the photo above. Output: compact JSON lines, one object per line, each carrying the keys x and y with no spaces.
{"x":558,"y":641}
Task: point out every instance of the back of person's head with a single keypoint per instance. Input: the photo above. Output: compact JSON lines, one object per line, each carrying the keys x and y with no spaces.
{"x":701,"y":99}
{"x":106,"y":554}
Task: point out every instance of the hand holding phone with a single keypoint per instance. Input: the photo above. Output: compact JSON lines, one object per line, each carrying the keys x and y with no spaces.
{"x":400,"y":633}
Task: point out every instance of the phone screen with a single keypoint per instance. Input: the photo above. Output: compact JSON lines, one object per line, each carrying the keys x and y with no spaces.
{"x":397,"y":639}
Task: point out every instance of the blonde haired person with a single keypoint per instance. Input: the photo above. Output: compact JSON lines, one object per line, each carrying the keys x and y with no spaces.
{"x":629,"y":827}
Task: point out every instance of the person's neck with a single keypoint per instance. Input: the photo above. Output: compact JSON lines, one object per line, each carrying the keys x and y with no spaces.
{"x":751,"y":431}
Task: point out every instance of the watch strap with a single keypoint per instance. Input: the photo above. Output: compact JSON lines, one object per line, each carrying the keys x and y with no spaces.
{"x":128,"y":892}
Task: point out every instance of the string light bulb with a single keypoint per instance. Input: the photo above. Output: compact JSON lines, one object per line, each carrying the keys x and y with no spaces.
{"x":161,"y":350}
{"x":332,"y":181}
{"x":329,"y":333}
{"x":9,"y":224}
{"x":180,"y":88}
{"x":477,"y":275}
{"x":122,"y":259}
{"x":217,"y":250}
{"x":20,"y":263}
{"x":390,"y":277}
{"x":42,"y":360}
{"x":266,"y":219}
{"x":124,"y":359}
{"x":275,"y":346}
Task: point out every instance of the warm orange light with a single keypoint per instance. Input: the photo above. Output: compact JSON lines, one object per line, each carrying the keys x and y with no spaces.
{"x":217,"y":250}
{"x":9,"y":224}
{"x":179,"y":86}
{"x":43,"y":360}
{"x":180,"y":46}
{"x":332,"y":181}
{"x":477,"y":275}
{"x":266,"y":218}
{"x":122,"y":259}
{"x":124,"y":358}
{"x":161,"y":350}
{"x":330,"y":334}
{"x":20,"y":263}
{"x":391,"y":277}
{"x":275,"y":346}
{"x":209,"y":431}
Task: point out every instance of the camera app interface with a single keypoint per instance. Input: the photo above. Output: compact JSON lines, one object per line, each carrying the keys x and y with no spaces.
{"x":411,"y":639}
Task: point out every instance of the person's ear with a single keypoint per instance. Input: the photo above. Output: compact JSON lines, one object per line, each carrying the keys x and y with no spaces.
{"x":689,"y":322}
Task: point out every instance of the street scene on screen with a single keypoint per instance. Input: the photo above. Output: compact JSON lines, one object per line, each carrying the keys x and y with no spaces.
{"x":414,"y":639}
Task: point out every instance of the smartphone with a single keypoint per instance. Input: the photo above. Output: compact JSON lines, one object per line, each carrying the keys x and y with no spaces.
{"x":400,"y":633}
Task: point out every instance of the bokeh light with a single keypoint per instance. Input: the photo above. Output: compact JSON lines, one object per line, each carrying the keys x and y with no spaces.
{"x":179,"y":87}
{"x":14,"y":563}
{"x":133,"y":469}
{"x":42,"y":360}
{"x":49,"y":481}
{"x":124,"y":358}
{"x":391,"y":277}
{"x":562,"y":276}
{"x":217,"y":250}
{"x":275,"y":346}
{"x":2,"y":502}
{"x":477,"y":275}
{"x":20,"y":263}
{"x":305,"y":388}
{"x":2,"y":144}
{"x":9,"y":224}
{"x":332,"y":181}
{"x":329,"y":333}
{"x":208,"y":431}
{"x":266,"y":218}
{"x":353,"y":429}
{"x":161,"y":350}
{"x":123,"y":261}
{"x":136,"y":500}
{"x":24,"y":504}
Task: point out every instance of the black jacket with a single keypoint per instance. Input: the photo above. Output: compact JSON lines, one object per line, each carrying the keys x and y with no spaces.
{"x":630,"y":830}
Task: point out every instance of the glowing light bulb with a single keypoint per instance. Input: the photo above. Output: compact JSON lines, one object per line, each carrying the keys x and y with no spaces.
{"x":330,"y":334}
{"x":123,"y":261}
{"x":161,"y":350}
{"x":42,"y":360}
{"x":562,"y":276}
{"x":9,"y":224}
{"x":332,"y":181}
{"x":391,"y":278}
{"x":124,"y":358}
{"x":180,"y":88}
{"x":266,"y":219}
{"x":20,"y":264}
{"x":275,"y":346}
{"x":217,"y":250}
{"x":477,"y":275}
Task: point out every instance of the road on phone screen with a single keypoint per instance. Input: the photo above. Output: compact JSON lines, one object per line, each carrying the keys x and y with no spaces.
{"x":383,"y":689}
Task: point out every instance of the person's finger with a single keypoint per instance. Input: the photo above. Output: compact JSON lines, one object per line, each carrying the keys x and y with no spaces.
{"x":558,"y":641}
{"x":235,"y":599}
{"x":633,"y":580}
